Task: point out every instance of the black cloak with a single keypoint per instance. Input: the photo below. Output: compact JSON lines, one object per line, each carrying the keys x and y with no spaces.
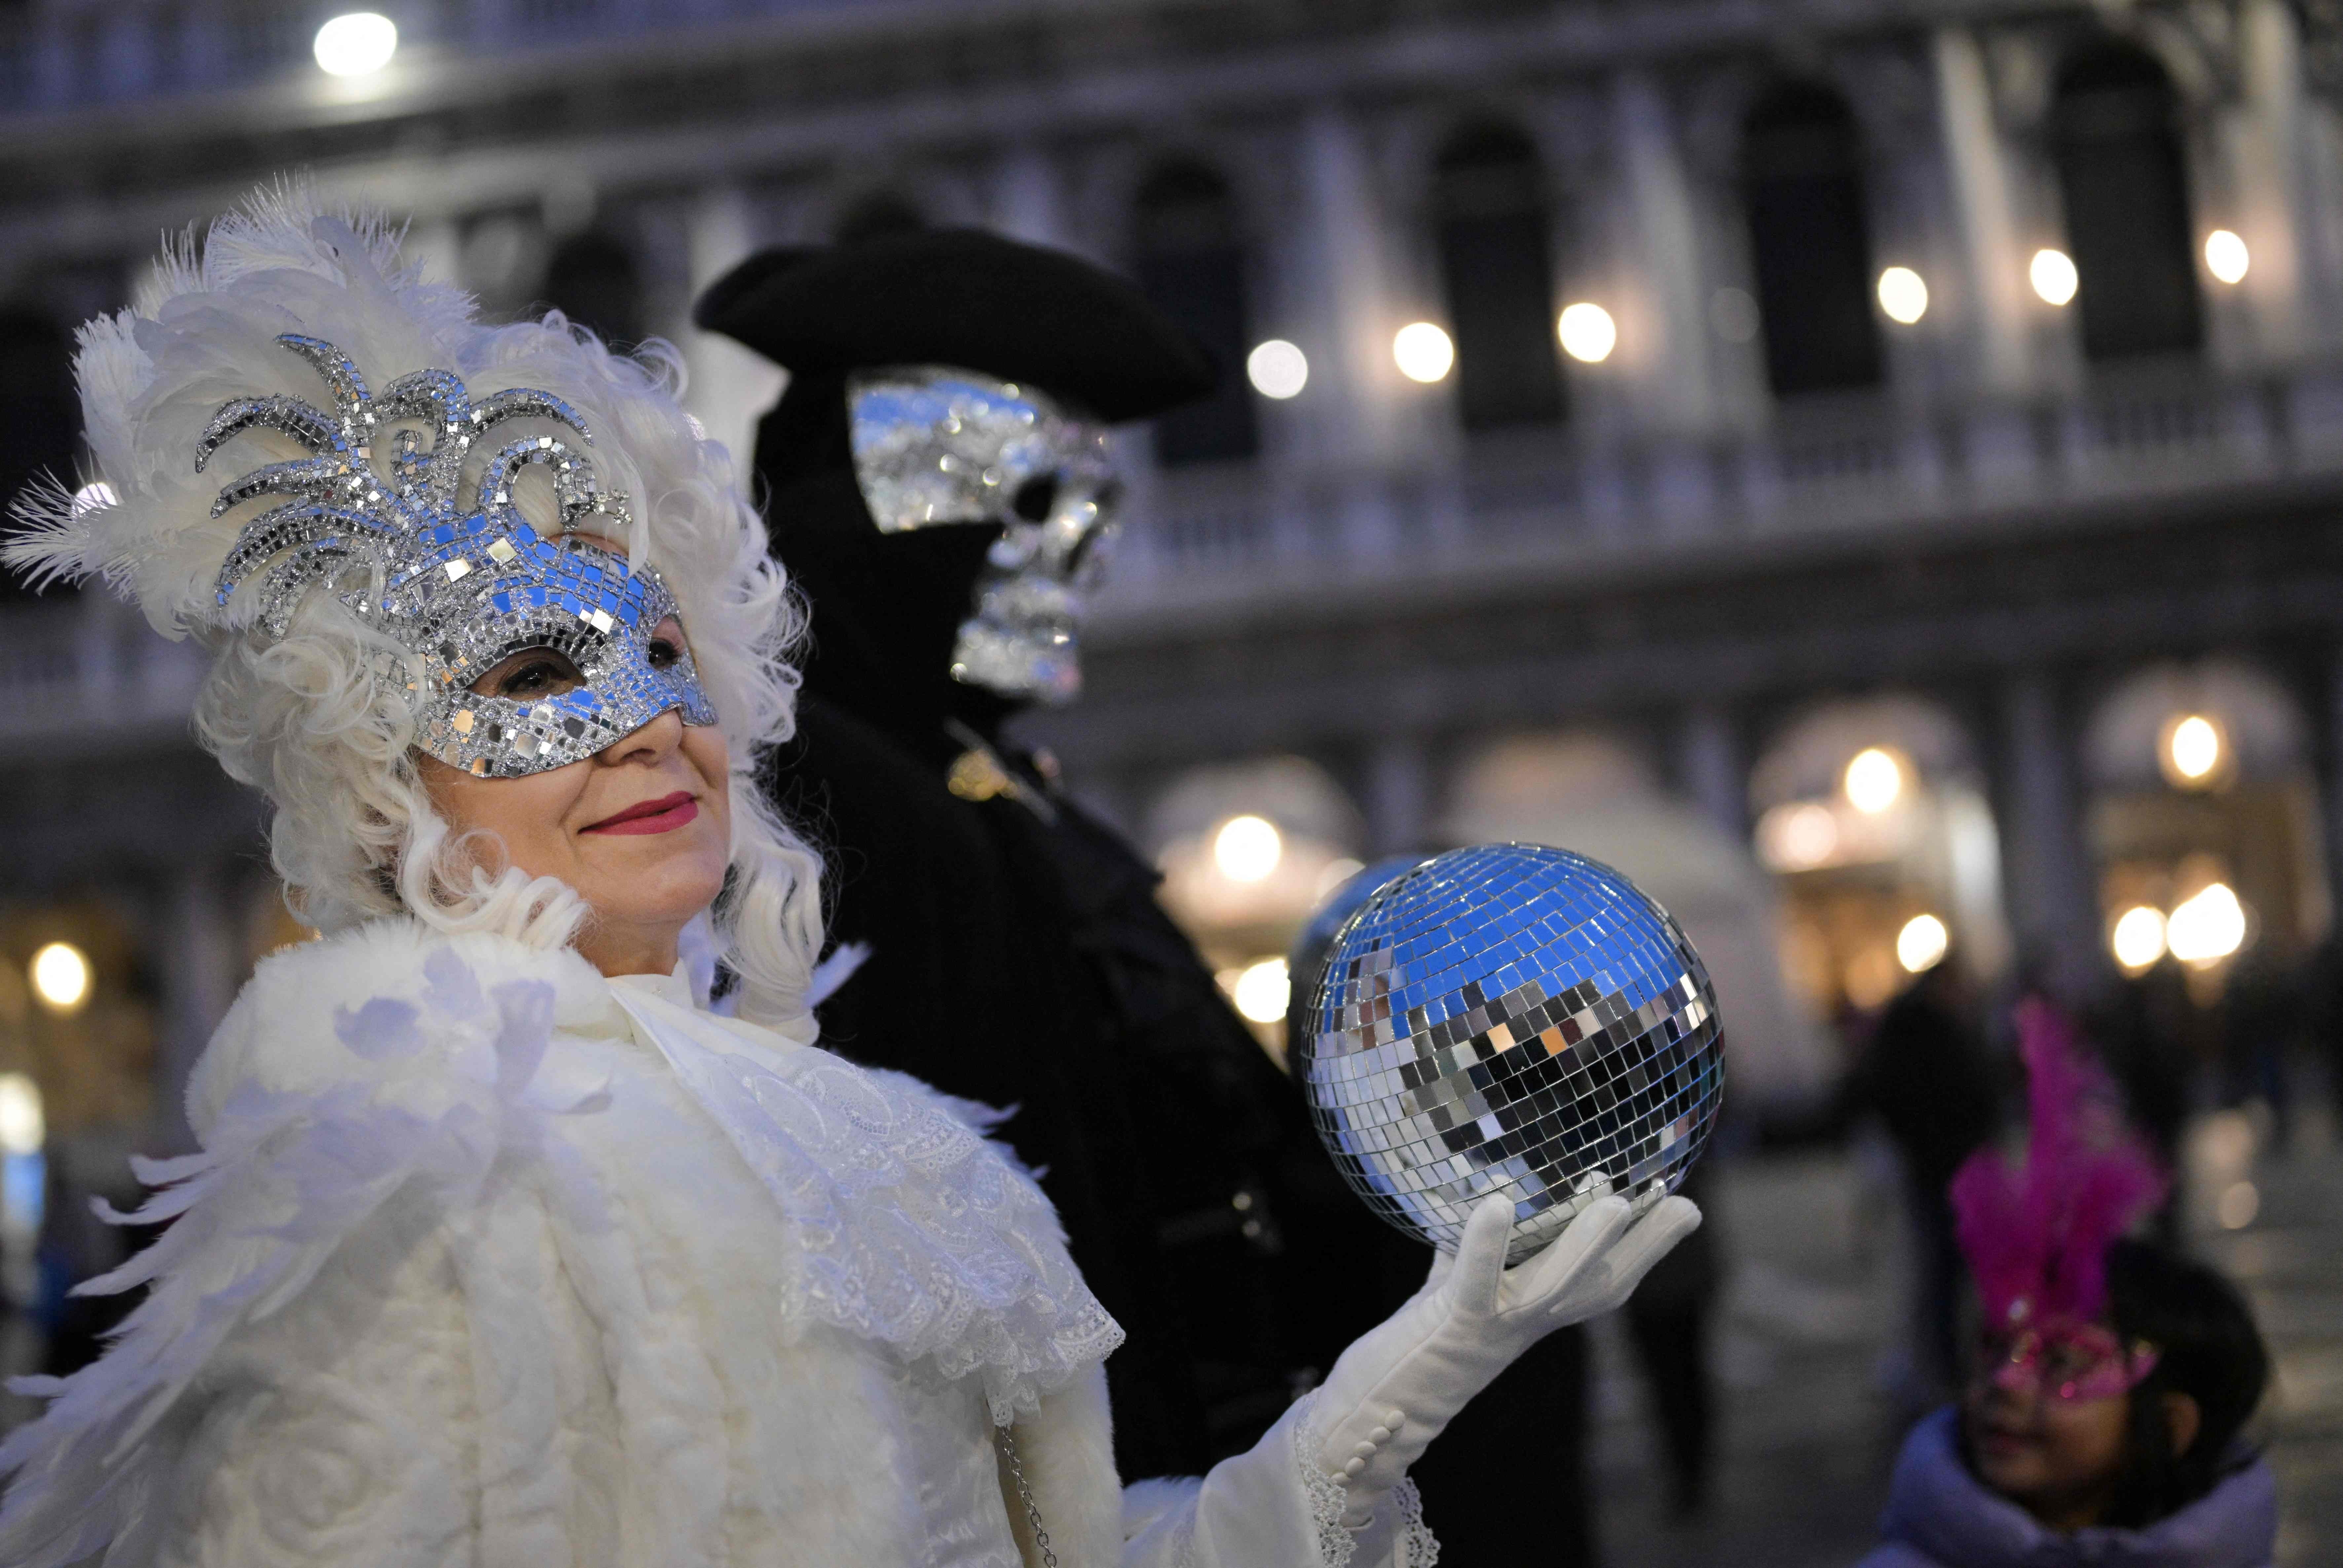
{"x":1018,"y":956}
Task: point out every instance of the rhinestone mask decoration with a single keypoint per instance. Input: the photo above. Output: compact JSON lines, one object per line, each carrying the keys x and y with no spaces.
{"x":932,"y":446}
{"x":1510,"y":1018}
{"x":461,"y":591}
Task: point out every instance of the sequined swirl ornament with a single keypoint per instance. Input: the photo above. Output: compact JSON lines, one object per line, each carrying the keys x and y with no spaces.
{"x":1510,"y":1018}
{"x":461,"y":590}
{"x":934,"y":445}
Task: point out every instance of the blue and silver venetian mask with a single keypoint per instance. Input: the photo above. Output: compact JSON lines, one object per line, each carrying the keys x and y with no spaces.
{"x":461,"y":590}
{"x":934,"y":445}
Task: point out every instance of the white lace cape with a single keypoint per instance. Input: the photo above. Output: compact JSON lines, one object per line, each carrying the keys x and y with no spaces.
{"x":351,"y":1070}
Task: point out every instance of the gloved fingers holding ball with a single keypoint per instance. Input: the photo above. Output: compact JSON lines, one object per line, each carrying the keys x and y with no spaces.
{"x":1591,"y":1270}
{"x":1512,"y":1053}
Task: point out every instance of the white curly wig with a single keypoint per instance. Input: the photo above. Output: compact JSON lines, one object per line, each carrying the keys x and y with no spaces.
{"x":313,"y":718}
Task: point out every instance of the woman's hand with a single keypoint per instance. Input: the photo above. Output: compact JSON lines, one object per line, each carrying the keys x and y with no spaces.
{"x":1398,"y":1386}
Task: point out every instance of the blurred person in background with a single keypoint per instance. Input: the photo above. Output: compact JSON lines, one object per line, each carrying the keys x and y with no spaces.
{"x":2104,"y":1414}
{"x":936,"y":478}
{"x":1924,"y":1073}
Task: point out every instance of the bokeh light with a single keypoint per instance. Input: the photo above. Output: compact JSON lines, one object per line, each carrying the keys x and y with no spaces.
{"x":2136,"y":939}
{"x":1277,"y":369}
{"x":2206,"y":929}
{"x":1587,"y":333}
{"x":2226,"y":256}
{"x":2053,"y":275}
{"x":1903,"y":294}
{"x":1922,"y":943}
{"x":356,"y":44}
{"x":1247,"y":849}
{"x":60,"y":976}
{"x":1422,"y":352}
{"x":1874,"y":782}
{"x":23,"y":1127}
{"x":2192,"y":751}
{"x":1264,"y":991}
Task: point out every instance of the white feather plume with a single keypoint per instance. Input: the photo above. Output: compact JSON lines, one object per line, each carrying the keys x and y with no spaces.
{"x":202,"y":331}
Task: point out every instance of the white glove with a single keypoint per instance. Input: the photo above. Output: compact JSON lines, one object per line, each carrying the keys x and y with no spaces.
{"x":1399,"y":1385}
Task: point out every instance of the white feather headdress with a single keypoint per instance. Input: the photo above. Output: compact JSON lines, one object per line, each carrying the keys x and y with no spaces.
{"x":202,"y":331}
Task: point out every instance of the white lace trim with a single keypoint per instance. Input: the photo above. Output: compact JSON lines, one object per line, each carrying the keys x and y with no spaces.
{"x":912,"y":1229}
{"x":1412,"y":1542}
{"x":1415,"y":1546}
{"x":1328,"y":1499}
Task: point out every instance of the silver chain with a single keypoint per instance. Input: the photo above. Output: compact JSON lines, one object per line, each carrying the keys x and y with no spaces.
{"x":1007,"y":1447}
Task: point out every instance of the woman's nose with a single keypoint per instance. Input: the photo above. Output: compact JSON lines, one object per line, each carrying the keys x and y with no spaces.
{"x":653,"y":743}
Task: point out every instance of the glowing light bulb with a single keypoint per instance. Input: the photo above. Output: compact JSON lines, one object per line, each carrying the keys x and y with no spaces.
{"x":356,"y":44}
{"x":1874,"y":782}
{"x":1277,"y":369}
{"x":1903,"y":294}
{"x":1922,"y":943}
{"x":1247,"y":849}
{"x":2053,"y":275}
{"x":1264,"y":991}
{"x":2226,"y":256}
{"x":1588,"y":332}
{"x":2205,"y":930}
{"x":2193,"y":748}
{"x":1422,"y":352}
{"x":60,"y":975}
{"x":2137,"y":939}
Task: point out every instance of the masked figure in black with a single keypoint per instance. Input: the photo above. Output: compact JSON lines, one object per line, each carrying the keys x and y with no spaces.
{"x":936,"y":478}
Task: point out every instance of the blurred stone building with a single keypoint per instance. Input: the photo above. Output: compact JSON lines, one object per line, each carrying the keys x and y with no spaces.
{"x":1904,"y":441}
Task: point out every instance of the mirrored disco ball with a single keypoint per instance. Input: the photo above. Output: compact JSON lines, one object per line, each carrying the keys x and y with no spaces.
{"x":1510,"y":1018}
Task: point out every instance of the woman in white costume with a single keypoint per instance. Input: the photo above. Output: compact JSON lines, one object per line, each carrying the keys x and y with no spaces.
{"x":501,"y":1248}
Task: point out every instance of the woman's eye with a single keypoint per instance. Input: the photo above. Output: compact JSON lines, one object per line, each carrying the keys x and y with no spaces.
{"x":664,"y":654}
{"x":527,"y":676}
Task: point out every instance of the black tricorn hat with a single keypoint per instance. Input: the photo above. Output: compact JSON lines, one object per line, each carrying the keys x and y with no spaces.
{"x":964,"y":297}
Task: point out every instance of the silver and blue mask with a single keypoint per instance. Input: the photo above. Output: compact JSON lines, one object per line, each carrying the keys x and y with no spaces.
{"x":373,"y":518}
{"x":934,"y":445}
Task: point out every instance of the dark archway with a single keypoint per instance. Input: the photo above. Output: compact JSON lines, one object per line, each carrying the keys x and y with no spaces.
{"x":1191,"y":261}
{"x":1496,"y":268}
{"x":2116,"y":136}
{"x":1802,"y":185}
{"x":40,"y":415}
{"x":592,"y":279}
{"x":877,"y":214}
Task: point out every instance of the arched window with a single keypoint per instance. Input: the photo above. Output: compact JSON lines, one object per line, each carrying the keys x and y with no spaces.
{"x":592,"y":279}
{"x":2117,"y":144}
{"x":1192,"y":264}
{"x":40,"y":418}
{"x":1498,"y":274}
{"x":1802,"y":183}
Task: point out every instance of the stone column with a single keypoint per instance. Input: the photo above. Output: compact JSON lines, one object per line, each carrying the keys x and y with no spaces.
{"x":1710,"y":770}
{"x":1027,"y":200}
{"x":1998,"y":319}
{"x":2263,"y":167}
{"x":730,"y":387}
{"x":1399,"y":795}
{"x":2053,"y":902}
{"x":1665,"y":333}
{"x":1359,"y":405}
{"x":202,"y":949}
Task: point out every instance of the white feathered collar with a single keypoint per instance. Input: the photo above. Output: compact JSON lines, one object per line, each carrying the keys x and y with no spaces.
{"x":910,"y":1228}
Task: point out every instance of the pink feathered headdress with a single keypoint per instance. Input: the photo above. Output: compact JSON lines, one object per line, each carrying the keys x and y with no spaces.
{"x":2036,"y":1236}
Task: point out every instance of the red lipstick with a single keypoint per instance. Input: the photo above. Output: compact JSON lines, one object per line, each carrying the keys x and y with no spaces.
{"x":663,"y":815}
